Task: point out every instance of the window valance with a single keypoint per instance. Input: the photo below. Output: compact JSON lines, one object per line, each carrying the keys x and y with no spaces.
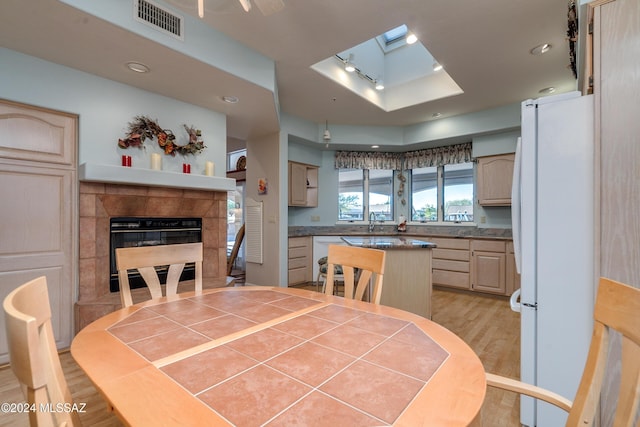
{"x":367,"y":160}
{"x":459,"y":153}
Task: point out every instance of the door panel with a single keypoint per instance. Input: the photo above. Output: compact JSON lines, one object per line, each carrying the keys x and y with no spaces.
{"x":38,"y":216}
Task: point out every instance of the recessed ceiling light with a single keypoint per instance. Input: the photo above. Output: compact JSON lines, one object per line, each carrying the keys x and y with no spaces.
{"x":230,"y":99}
{"x":411,"y":38}
{"x":540,"y":49}
{"x":547,"y":90}
{"x":437,"y":66}
{"x":375,"y":146}
{"x":379,"y":85}
{"x":436,"y":115}
{"x":137,"y":67}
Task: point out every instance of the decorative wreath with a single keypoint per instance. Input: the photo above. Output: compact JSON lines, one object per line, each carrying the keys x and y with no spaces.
{"x":143,"y":127}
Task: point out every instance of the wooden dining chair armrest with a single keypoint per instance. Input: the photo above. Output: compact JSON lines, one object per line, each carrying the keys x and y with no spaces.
{"x":529,"y":390}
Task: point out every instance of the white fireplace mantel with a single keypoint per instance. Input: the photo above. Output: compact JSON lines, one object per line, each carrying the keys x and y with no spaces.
{"x":93,"y":172}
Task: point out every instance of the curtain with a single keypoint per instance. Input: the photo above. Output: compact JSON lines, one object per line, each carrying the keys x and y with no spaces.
{"x":367,"y":160}
{"x":459,"y":153}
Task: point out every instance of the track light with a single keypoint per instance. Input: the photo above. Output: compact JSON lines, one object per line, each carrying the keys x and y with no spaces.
{"x":348,"y":64}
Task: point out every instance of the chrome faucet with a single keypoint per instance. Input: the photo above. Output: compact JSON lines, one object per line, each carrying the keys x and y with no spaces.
{"x":372,"y":221}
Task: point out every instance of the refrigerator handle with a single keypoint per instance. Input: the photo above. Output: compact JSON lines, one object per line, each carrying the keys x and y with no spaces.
{"x":516,"y":215}
{"x":514,"y":303}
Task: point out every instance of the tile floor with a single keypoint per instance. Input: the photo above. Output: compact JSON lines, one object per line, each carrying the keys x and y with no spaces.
{"x":358,"y":368}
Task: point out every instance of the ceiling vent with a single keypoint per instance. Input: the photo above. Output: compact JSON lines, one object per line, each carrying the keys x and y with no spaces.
{"x":158,"y":17}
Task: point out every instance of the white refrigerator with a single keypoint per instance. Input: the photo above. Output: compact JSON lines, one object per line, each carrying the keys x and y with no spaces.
{"x":553,"y":234}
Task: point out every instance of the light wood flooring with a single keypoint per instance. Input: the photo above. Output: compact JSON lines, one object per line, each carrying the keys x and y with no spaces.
{"x":486,"y":323}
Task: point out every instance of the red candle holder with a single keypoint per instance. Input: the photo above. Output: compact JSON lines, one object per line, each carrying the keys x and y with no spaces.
{"x":186,"y":168}
{"x":126,"y":161}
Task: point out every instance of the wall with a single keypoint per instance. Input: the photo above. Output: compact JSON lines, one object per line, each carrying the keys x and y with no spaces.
{"x":327,"y":211}
{"x":106,"y":107}
{"x":263,"y":162}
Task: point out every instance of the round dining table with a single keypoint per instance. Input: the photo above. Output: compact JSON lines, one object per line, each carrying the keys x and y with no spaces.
{"x":272,"y":356}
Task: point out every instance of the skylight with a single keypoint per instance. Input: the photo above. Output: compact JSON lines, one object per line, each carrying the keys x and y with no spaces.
{"x":390,"y":72}
{"x":395,"y":34}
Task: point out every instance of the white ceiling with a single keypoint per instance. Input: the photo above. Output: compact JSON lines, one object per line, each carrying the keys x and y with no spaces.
{"x":484,"y":46}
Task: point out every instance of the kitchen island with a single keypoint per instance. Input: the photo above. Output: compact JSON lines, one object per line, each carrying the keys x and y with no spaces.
{"x":407,"y":275}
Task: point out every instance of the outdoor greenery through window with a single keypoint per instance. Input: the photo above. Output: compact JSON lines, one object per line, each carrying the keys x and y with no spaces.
{"x":449,"y":187}
{"x":363,"y":191}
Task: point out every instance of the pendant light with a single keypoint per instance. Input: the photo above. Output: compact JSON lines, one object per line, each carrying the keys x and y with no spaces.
{"x":327,"y":135}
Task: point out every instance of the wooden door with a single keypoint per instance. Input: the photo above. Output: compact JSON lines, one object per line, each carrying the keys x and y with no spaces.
{"x":617,"y":90}
{"x":38,"y":214}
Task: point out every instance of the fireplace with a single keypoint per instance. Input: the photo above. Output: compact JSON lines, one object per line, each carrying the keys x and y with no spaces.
{"x":100,"y":202}
{"x":126,"y":232}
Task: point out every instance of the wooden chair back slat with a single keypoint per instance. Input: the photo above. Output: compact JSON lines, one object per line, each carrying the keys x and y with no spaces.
{"x":33,"y":354}
{"x":617,"y":309}
{"x":368,"y":262}
{"x":146,"y":258}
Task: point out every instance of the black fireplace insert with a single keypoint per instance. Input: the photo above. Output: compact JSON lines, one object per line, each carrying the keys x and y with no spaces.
{"x":136,"y":231}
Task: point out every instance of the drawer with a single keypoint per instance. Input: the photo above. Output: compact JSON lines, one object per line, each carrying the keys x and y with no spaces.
{"x":443,"y":264}
{"x":489,"y":245}
{"x":446,"y":243}
{"x":298,"y":252}
{"x":451,"y":254}
{"x":298,"y":275}
{"x":298,"y":262}
{"x":451,"y":278}
{"x":296,"y":242}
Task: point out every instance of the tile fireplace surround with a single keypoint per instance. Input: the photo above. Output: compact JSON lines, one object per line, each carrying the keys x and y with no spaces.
{"x":99,"y":202}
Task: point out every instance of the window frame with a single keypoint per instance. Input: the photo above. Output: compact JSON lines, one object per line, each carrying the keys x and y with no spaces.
{"x":440,"y":175}
{"x":366,"y":204}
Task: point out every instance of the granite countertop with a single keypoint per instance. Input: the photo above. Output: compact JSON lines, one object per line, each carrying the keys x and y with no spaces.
{"x":413,"y":231}
{"x":388,"y":242}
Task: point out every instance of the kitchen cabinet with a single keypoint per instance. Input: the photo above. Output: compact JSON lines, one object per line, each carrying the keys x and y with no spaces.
{"x":300,"y":260}
{"x":450,"y":262}
{"x":303,"y":185}
{"x":495,"y":175}
{"x":488,"y":266}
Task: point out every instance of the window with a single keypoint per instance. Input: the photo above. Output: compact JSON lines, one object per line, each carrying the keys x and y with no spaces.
{"x":443,"y":193}
{"x":458,"y":192}
{"x":424,"y":194}
{"x":350,"y":195}
{"x":361,"y":192}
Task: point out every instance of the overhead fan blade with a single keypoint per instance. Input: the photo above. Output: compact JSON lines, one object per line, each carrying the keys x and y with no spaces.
{"x":267,"y":7}
{"x":246,"y":5}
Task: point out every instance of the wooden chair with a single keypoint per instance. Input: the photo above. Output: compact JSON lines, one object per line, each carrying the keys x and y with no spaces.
{"x":33,"y":354}
{"x":146,"y":258}
{"x":369,"y":262}
{"x":234,"y":251}
{"x":322,"y":274}
{"x":617,"y":308}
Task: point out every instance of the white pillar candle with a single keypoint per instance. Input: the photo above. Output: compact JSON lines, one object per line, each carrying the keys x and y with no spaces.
{"x":156,"y":161}
{"x":209,"y":169}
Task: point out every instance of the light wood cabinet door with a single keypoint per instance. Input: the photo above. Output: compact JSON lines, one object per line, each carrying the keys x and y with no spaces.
{"x":38,"y":215}
{"x":488,"y":266}
{"x":303,"y":185}
{"x":495,"y":175}
{"x":488,"y":272}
